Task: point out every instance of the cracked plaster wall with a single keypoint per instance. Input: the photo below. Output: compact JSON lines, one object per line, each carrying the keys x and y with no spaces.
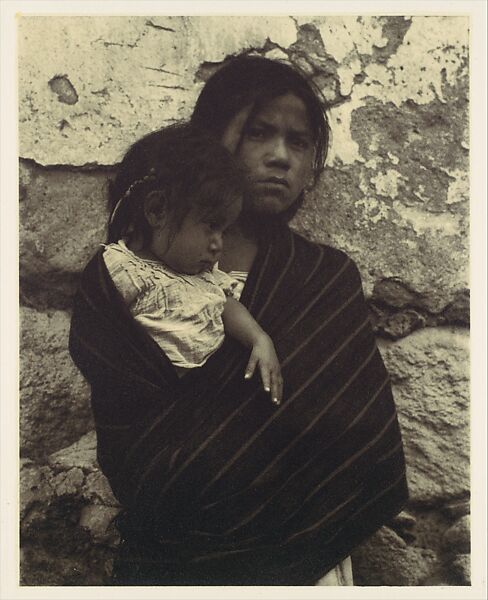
{"x":394,"y":195}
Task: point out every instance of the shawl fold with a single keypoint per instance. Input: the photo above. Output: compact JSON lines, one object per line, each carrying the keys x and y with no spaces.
{"x":219,"y":485}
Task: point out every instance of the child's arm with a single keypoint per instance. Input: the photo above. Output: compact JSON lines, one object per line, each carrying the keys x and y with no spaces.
{"x":241,"y":325}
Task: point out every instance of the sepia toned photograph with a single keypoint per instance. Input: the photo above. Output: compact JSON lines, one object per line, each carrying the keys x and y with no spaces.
{"x":244,"y":299}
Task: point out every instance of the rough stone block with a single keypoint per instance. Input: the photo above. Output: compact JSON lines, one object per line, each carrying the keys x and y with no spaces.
{"x":68,"y":483}
{"x":54,"y":398}
{"x":66,"y":538}
{"x":404,"y":525}
{"x":34,"y":489}
{"x":63,"y":217}
{"x":82,"y":454}
{"x":430,"y":528}
{"x":457,"y":509}
{"x":461,"y":569}
{"x":430,"y":375}
{"x":98,"y":520}
{"x":457,"y":539}
{"x":386,"y":559}
{"x":98,"y":490}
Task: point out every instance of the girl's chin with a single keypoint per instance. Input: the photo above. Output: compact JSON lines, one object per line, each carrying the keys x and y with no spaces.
{"x":269,"y":204}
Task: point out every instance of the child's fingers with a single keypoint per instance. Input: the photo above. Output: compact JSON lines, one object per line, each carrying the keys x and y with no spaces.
{"x":276,"y":388}
{"x":250,"y":368}
{"x":265,"y":376}
{"x":270,"y":376}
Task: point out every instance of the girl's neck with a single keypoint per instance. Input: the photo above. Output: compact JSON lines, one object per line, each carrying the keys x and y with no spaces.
{"x":240,"y":249}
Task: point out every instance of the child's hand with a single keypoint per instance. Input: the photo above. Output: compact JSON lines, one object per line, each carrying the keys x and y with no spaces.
{"x":264,"y":355}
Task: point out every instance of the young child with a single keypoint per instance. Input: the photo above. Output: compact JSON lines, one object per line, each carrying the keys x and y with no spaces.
{"x":176,"y":192}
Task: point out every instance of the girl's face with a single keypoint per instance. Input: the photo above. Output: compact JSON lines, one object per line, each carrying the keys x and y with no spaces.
{"x":197,"y":245}
{"x":277,"y":148}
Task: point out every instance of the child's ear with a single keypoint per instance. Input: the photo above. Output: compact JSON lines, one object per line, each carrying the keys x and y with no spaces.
{"x":154,"y":209}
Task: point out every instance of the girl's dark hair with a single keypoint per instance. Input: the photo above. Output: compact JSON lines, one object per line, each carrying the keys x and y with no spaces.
{"x":254,"y":81}
{"x":182,"y":167}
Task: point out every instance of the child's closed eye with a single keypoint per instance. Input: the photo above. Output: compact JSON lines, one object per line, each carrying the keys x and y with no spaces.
{"x":216,"y":226}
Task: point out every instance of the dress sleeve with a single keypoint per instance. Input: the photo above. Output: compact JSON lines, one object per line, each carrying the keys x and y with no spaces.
{"x":225,"y":282}
{"x":124,"y":274}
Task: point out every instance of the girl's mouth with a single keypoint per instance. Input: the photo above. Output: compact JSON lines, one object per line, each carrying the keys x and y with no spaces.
{"x":274,"y":181}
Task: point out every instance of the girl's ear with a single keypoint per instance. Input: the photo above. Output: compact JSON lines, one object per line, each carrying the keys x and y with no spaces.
{"x":154,"y":209}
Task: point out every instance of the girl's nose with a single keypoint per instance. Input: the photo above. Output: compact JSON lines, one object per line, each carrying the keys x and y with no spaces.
{"x":278,"y":153}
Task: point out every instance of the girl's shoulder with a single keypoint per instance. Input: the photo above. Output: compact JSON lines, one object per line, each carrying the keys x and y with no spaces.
{"x":311,"y":248}
{"x":326,"y":259}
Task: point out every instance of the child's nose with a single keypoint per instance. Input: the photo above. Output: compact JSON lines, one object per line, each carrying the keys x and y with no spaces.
{"x":216,"y":243}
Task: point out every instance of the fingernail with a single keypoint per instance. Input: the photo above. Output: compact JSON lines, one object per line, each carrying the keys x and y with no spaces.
{"x":267,"y":388}
{"x":276,"y":401}
{"x":247,"y":375}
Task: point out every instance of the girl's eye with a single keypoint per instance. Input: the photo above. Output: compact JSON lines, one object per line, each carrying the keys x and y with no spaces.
{"x":256,"y":133}
{"x":301,"y":143}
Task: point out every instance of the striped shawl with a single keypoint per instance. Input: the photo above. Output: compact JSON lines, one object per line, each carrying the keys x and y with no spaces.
{"x":220,"y":486}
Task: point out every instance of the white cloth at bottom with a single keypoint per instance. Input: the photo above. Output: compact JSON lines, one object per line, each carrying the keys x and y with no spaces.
{"x":341,"y":574}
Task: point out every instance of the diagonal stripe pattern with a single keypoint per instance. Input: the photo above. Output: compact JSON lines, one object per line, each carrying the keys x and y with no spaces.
{"x":220,"y":486}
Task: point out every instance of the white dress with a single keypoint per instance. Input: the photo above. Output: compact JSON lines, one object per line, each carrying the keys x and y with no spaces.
{"x":182,"y":313}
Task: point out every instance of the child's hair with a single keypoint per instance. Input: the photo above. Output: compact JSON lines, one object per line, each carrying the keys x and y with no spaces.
{"x":182,"y":167}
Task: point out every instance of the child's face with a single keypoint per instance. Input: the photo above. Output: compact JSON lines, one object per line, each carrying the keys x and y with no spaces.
{"x":197,"y":245}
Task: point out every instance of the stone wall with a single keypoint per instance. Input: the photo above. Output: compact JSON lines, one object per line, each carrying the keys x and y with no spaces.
{"x":394,"y":195}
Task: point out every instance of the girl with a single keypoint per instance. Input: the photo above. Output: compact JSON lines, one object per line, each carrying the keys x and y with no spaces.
{"x":218,"y":487}
{"x":178,"y":192}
